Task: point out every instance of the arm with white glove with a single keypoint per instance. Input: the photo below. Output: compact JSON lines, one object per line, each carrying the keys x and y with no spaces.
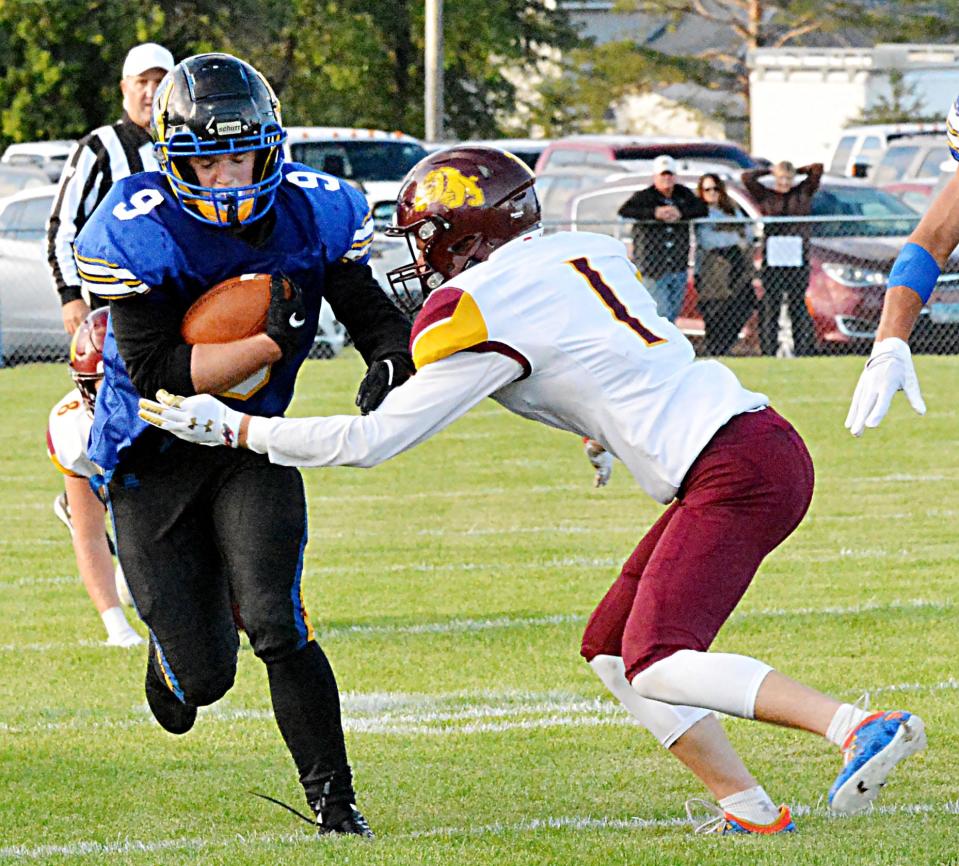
{"x":888,"y":370}
{"x":911,"y":282}
{"x":201,"y":419}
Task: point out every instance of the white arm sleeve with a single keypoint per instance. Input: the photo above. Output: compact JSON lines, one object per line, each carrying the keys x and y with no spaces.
{"x":432,"y":399}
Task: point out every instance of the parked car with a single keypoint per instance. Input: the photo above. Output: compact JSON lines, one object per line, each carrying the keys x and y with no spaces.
{"x":372,"y":160}
{"x":48,"y":156}
{"x":636,"y":153}
{"x":859,"y":148}
{"x":913,"y":157}
{"x":848,"y":272}
{"x":555,"y":188}
{"x":14,"y":178}
{"x":31,"y":324}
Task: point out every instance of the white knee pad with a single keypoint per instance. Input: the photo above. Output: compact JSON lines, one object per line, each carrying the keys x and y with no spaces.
{"x":723,"y":682}
{"x":667,"y":723}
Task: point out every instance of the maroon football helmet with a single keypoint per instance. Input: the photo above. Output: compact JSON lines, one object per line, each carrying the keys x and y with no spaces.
{"x":86,"y":355}
{"x":454,"y":208}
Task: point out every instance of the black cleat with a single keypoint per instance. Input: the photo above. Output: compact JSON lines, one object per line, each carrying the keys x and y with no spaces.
{"x":172,"y":714}
{"x":345,"y":819}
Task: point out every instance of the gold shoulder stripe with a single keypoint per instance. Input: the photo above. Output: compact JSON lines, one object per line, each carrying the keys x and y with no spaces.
{"x":462,"y":329}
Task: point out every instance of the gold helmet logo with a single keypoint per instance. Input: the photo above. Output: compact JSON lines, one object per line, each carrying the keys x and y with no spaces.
{"x":449,"y":187}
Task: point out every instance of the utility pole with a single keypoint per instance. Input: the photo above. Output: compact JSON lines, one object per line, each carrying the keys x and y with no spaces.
{"x":433,"y":96}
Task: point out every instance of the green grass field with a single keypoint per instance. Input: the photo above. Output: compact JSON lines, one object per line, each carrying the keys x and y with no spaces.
{"x":450,"y":588}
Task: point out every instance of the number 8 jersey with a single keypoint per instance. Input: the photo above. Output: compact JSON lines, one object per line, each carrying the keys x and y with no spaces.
{"x":587,"y":353}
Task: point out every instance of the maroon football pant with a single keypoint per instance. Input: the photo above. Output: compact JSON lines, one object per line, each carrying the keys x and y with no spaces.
{"x":744,"y":494}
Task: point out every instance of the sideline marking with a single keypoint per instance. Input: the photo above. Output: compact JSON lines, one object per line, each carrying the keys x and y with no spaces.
{"x":530,"y":825}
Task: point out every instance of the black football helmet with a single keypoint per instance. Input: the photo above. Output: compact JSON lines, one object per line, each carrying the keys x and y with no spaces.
{"x":213,"y":104}
{"x":86,"y":356}
{"x":454,"y":208}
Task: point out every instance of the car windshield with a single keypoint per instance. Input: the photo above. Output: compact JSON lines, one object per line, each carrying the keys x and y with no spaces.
{"x":360,"y":160}
{"x":863,"y":201}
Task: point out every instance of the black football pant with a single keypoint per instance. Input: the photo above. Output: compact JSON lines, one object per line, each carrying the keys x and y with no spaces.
{"x":197,"y":527}
{"x":791,"y":282}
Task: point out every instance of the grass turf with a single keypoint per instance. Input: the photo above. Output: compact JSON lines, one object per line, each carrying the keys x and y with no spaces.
{"x":450,"y":588}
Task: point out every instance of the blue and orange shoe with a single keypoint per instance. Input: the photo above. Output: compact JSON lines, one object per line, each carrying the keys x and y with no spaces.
{"x":870,"y":752}
{"x":726,"y":824}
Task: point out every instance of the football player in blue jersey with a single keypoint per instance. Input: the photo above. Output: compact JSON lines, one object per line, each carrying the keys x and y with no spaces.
{"x":197,"y":527}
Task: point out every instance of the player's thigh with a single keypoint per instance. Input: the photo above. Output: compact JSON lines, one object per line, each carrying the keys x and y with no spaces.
{"x":746,"y":496}
{"x":164,"y":539}
{"x":604,"y":631}
{"x":260,"y":518}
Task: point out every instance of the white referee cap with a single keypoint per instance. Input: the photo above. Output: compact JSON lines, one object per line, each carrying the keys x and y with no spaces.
{"x":147,"y":55}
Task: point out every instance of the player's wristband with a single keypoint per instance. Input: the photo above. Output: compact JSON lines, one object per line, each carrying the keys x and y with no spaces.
{"x":916,"y":269}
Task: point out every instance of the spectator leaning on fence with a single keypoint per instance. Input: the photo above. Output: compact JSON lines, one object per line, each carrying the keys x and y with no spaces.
{"x":99,"y":159}
{"x":786,"y":258}
{"x":724,"y":275}
{"x":661,"y":235}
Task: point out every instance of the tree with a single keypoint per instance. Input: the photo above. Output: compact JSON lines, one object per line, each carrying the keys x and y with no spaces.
{"x":903,"y":105}
{"x":331,"y":62}
{"x":752,"y":24}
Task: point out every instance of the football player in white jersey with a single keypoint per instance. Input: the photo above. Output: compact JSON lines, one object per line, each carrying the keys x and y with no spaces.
{"x":78,"y":507}
{"x":910,"y":284}
{"x":559,"y":329}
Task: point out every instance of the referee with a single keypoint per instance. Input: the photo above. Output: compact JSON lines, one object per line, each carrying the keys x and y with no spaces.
{"x":101,"y":158}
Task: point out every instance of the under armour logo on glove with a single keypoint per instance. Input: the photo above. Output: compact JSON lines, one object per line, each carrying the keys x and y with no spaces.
{"x":382,"y":377}
{"x":202,"y":419}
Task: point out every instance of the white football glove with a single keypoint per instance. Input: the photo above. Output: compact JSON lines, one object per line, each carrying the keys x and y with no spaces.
{"x":201,"y":419}
{"x":889,"y":369}
{"x":602,"y":461}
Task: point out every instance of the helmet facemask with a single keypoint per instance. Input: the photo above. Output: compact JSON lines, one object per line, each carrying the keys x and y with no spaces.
{"x":213,"y":106}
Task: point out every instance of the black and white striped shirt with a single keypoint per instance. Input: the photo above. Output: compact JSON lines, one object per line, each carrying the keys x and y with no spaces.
{"x":101,"y":158}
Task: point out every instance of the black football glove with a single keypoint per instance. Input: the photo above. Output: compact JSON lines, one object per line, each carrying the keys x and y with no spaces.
{"x":286,"y":316}
{"x":381,"y":378}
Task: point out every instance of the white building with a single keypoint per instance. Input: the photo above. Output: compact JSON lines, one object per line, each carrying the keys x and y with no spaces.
{"x":801,"y":98}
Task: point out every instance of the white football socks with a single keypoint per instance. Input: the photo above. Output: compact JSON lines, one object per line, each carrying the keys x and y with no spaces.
{"x":119,"y":631}
{"x":847,"y":717}
{"x":751,"y":805}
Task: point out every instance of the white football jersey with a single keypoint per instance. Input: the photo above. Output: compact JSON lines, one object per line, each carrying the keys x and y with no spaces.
{"x":558,"y":329}
{"x":601,"y":363}
{"x":67,"y":432}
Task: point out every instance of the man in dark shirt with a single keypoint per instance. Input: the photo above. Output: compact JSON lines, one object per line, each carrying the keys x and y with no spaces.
{"x":661,"y":235}
{"x":786,"y":258}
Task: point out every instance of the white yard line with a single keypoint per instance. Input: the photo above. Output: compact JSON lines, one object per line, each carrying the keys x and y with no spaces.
{"x":526,"y":826}
{"x":465,"y":626}
{"x":442,"y":715}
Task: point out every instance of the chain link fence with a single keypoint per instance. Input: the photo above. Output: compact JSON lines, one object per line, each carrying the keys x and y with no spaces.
{"x":780,"y":286}
{"x":739,"y":286}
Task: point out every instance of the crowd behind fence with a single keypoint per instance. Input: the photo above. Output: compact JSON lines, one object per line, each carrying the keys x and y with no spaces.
{"x":782,"y":285}
{"x":740,"y":286}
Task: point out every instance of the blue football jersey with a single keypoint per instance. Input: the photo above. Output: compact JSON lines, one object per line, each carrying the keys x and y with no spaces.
{"x":139,"y":242}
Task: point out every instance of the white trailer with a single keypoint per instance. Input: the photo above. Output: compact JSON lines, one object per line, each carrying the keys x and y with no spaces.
{"x":802,"y":98}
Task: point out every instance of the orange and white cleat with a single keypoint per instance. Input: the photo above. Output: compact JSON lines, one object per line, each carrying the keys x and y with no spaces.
{"x":725,"y":823}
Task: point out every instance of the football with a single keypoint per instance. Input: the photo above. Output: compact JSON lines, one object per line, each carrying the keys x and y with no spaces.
{"x":231,"y":310}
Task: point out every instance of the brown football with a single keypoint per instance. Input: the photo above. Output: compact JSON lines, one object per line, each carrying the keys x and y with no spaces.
{"x":232,"y":310}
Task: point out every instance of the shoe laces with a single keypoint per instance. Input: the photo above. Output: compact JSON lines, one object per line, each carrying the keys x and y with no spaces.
{"x":297,"y":812}
{"x":848,"y":749}
{"x":714,"y":821}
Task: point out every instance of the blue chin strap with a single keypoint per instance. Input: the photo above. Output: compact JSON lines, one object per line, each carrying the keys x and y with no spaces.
{"x":222,"y":206}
